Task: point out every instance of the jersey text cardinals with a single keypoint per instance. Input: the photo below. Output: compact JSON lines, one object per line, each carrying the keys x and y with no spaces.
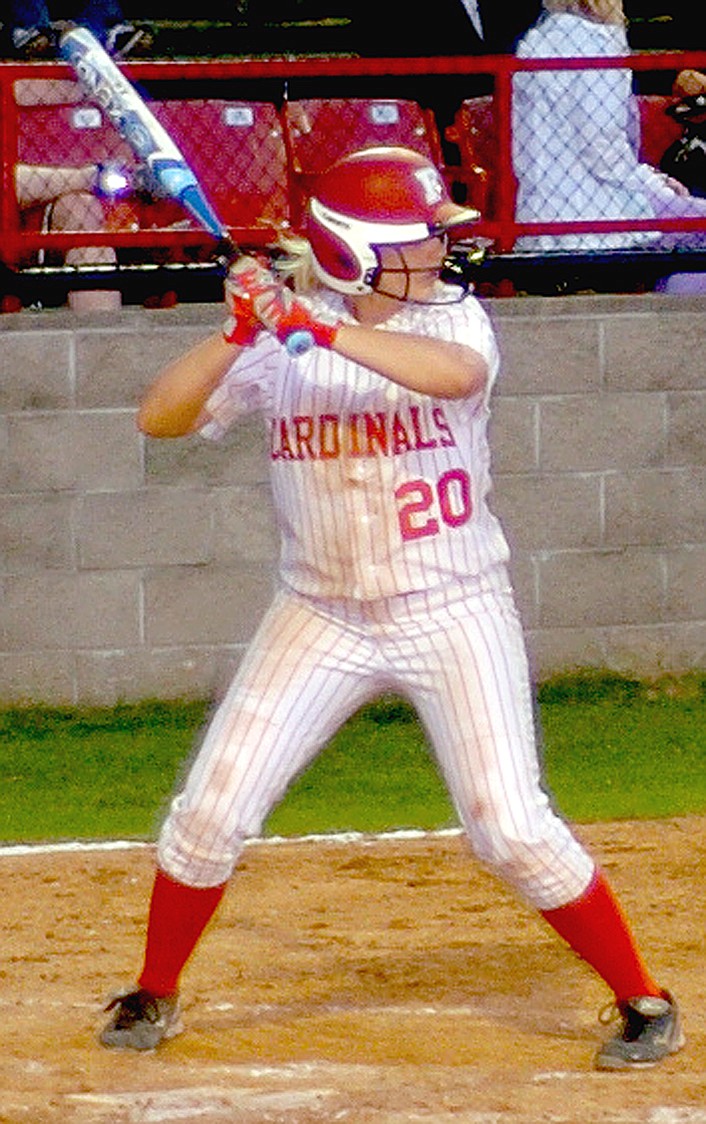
{"x":385,"y":433}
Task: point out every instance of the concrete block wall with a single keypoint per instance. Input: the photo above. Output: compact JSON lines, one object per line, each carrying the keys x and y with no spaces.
{"x":133,"y":569}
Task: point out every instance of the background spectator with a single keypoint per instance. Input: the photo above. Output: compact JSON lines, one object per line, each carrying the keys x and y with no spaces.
{"x":397,"y":31}
{"x":459,"y":27}
{"x":576,"y":136}
{"x":685,"y":158}
{"x":33,"y":34}
{"x":70,"y":201}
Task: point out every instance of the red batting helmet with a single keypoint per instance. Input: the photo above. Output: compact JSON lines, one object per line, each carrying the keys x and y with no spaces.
{"x":376,"y":197}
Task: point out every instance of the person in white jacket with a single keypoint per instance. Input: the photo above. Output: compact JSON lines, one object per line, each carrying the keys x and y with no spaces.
{"x":576,"y":136}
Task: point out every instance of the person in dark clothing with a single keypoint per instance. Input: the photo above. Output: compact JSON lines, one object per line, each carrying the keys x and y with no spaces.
{"x":453,"y":31}
{"x":33,"y":34}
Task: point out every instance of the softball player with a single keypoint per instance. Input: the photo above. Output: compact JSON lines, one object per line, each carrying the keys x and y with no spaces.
{"x":392,"y":578}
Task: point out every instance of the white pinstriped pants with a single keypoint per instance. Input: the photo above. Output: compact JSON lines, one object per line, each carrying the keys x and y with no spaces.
{"x":460,"y":661}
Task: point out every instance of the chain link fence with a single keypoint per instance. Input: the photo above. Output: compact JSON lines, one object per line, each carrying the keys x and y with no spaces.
{"x":586,"y":148}
{"x":559,"y":155}
{"x":75,"y":174}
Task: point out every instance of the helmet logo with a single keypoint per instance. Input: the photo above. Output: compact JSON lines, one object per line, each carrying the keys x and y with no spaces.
{"x":431,"y":184}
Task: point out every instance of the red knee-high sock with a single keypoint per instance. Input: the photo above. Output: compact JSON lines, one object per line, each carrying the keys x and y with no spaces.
{"x":178,"y":916}
{"x":596,"y":929}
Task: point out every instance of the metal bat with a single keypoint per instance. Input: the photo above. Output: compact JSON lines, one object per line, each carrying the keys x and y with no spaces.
{"x":107,"y":86}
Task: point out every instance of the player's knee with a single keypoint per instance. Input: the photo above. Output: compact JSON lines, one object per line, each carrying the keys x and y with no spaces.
{"x":546,"y":866}
{"x":195,"y":850}
{"x":513,"y":856}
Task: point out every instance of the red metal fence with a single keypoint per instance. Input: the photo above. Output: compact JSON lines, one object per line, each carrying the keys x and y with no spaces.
{"x":258,"y":149}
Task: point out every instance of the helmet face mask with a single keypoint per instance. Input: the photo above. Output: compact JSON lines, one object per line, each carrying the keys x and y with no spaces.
{"x":372,"y":198}
{"x":410,"y":272}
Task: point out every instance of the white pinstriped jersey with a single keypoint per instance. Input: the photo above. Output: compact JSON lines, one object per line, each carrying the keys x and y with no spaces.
{"x":378,"y":490}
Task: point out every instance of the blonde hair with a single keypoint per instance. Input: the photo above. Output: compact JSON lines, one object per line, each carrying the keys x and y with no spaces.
{"x":295,"y":263}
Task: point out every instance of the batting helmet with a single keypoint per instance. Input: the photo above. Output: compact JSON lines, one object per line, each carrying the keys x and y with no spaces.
{"x":376,"y":197}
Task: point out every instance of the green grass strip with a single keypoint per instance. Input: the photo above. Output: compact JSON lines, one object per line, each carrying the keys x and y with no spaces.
{"x":614,"y":748}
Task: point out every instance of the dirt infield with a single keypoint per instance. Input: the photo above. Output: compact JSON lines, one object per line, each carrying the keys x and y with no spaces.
{"x":374,"y":982}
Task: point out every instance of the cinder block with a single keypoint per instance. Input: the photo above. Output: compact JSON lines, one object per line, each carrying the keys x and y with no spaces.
{"x":657,"y":649}
{"x":602,"y":432}
{"x":154,"y":527}
{"x":205,"y":605}
{"x":30,"y":677}
{"x":663,"y":349}
{"x":35,"y":533}
{"x":66,"y":451}
{"x":36,"y":372}
{"x":239,"y":458}
{"x":56,"y":610}
{"x":550,"y":512}
{"x":513,"y":434}
{"x":552,"y":356}
{"x":114,"y":367}
{"x":244,"y":526}
{"x":657,"y":507}
{"x":686,"y":583}
{"x":595,"y":588}
{"x":107,"y":678}
{"x":599,"y":399}
{"x":556,"y":650}
{"x":687,"y":426}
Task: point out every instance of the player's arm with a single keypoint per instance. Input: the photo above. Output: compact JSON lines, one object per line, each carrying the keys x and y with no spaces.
{"x":429,"y":366}
{"x":173,"y":405}
{"x":432,"y":366}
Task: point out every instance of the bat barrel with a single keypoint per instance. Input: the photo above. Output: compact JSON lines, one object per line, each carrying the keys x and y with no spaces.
{"x":105,"y":84}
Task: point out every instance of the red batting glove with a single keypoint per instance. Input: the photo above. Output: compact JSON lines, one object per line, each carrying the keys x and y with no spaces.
{"x":276,"y":308}
{"x":286,"y":317}
{"x":242,"y":327}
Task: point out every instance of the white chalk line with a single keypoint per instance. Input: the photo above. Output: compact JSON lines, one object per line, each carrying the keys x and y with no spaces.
{"x":188,"y":1103}
{"x":13,"y":850}
{"x":312,"y":1084}
{"x":191,"y":1102}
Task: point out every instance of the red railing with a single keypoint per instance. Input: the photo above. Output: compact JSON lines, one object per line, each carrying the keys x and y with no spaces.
{"x":18,"y":240}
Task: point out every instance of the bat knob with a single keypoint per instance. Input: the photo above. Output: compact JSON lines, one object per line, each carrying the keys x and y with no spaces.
{"x":299,"y":342}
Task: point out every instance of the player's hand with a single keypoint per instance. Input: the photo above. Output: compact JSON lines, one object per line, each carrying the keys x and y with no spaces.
{"x":290,"y":320}
{"x":242,"y":326}
{"x":276,"y":308}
